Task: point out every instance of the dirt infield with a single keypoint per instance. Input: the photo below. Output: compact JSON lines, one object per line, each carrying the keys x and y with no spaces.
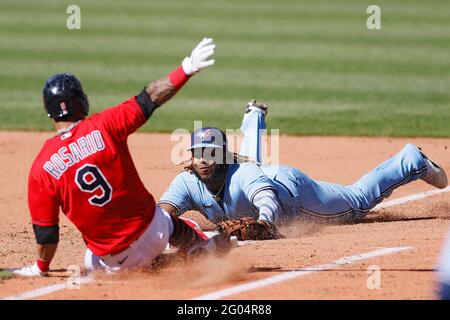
{"x":420,"y":225}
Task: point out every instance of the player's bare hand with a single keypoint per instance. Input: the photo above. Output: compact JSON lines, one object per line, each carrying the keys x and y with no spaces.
{"x":199,"y":57}
{"x":30,"y":271}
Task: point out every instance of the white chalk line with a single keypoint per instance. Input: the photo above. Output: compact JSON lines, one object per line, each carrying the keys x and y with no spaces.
{"x":413,"y":197}
{"x":58,"y":287}
{"x":297,"y":273}
{"x":47,"y":290}
{"x":329,"y":266}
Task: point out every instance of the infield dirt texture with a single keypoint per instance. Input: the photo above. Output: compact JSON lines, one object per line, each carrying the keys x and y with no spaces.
{"x":352,"y":96}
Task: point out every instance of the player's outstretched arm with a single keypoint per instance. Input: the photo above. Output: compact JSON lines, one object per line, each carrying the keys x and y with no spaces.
{"x":169,"y":208}
{"x":47,"y":239}
{"x":164,"y":89}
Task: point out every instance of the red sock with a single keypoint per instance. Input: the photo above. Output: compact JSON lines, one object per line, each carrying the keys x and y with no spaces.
{"x":44,"y":266}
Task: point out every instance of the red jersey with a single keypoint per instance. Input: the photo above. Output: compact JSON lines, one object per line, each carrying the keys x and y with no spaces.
{"x":88,"y":172}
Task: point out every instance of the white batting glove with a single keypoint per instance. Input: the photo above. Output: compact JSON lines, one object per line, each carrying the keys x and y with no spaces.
{"x":198,"y":59}
{"x":30,"y":271}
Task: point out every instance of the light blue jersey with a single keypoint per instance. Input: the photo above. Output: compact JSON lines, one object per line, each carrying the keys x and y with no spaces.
{"x":295,"y":194}
{"x":243,"y":182}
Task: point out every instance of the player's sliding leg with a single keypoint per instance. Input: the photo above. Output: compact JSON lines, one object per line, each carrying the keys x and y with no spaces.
{"x":150,"y":244}
{"x":252,"y":125}
{"x":408,"y":165}
{"x":185,"y":233}
{"x":189,"y":238}
{"x":163,"y":229}
{"x":356,"y":200}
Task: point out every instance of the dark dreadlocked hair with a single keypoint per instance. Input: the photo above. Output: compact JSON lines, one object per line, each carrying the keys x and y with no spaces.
{"x":237,"y":158}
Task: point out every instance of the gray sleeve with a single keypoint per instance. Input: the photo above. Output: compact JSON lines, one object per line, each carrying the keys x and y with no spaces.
{"x":268,"y":205}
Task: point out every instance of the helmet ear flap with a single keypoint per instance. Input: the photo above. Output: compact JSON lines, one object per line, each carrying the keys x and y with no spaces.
{"x":61,"y":109}
{"x":64,"y":108}
{"x":56,"y":108}
{"x":72,"y":110}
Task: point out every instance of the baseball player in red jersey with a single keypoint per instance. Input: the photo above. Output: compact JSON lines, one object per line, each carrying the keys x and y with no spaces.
{"x":87,"y":171}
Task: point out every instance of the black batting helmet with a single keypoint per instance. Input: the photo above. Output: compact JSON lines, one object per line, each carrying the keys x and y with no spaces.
{"x":64,"y":98}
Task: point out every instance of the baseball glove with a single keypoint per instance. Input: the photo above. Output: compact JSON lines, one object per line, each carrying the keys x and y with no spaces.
{"x":248,"y":228}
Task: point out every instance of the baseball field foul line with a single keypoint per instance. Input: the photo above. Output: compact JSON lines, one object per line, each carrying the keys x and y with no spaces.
{"x":298,"y":273}
{"x":46,"y":290}
{"x":412,"y":197}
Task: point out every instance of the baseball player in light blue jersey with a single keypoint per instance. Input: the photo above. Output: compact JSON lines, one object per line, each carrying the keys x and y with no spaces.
{"x":222,"y":185}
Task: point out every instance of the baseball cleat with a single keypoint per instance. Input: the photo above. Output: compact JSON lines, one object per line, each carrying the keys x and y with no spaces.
{"x":252,"y":105}
{"x":30,"y":271}
{"x":435,"y":174}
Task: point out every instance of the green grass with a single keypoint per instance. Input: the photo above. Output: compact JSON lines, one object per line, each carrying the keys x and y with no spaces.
{"x":5,"y":275}
{"x":314,"y":62}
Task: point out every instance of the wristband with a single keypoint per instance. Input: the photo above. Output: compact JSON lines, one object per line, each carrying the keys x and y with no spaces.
{"x":178,"y":78}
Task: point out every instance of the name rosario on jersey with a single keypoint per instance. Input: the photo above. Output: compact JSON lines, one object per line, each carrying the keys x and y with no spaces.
{"x":66,"y":157}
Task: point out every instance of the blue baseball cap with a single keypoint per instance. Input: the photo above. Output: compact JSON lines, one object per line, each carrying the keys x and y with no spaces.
{"x":208,"y":137}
